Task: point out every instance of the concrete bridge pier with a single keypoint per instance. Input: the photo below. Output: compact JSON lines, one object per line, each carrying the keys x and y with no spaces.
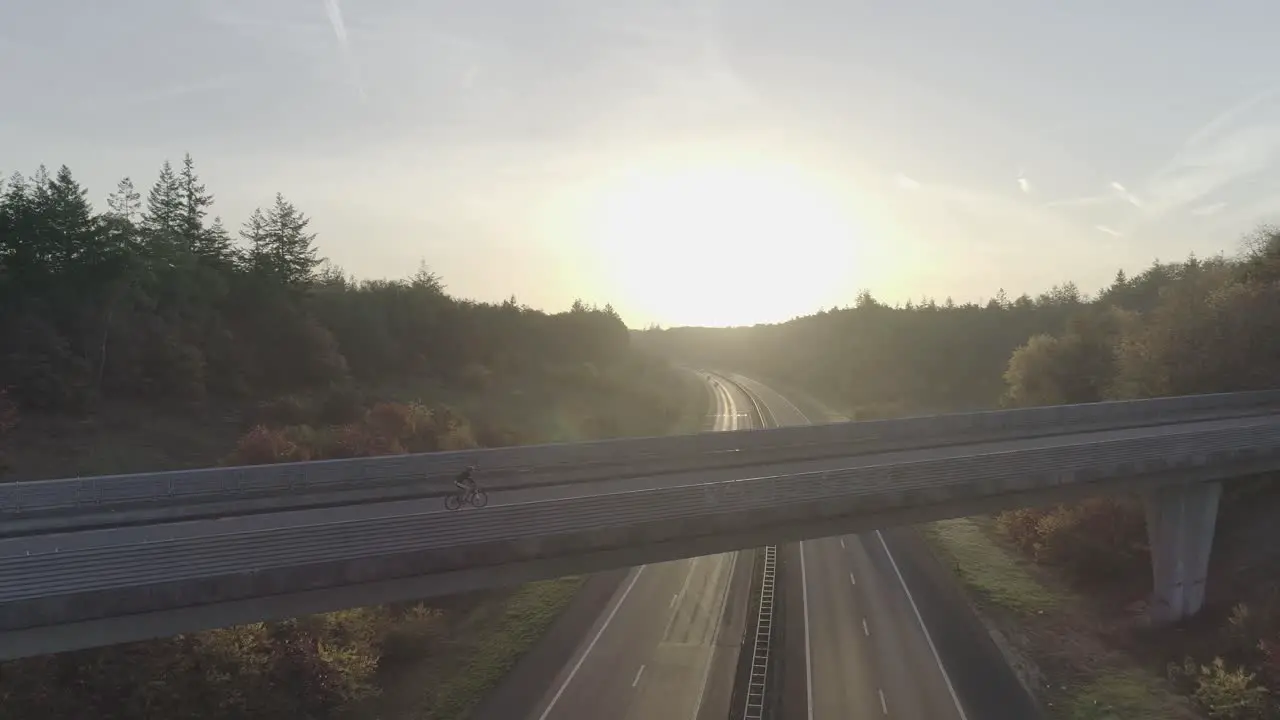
{"x":1180,"y":524}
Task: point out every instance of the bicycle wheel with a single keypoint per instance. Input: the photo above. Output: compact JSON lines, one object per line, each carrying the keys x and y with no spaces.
{"x":479,"y":498}
{"x":452,"y":502}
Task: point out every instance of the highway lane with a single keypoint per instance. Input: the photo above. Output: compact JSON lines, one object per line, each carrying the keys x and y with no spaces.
{"x":400,"y":508}
{"x":871,"y":652}
{"x":662,"y":647}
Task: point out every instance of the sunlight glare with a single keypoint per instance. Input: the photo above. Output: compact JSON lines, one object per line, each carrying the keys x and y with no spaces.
{"x":725,"y":246}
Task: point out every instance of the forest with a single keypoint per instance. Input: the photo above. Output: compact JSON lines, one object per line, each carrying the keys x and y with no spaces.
{"x":150,"y":323}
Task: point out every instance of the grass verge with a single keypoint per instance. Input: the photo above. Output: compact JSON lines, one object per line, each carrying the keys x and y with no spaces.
{"x":455,"y":670}
{"x":1048,"y":635}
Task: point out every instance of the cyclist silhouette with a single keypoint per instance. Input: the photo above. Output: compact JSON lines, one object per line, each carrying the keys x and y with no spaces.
{"x":464,"y":481}
{"x":471,"y":493}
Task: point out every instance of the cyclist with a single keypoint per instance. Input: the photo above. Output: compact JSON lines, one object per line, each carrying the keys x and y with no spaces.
{"x":465,"y":482}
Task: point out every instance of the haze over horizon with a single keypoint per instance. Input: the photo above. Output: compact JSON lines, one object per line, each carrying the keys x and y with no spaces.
{"x":692,"y":163}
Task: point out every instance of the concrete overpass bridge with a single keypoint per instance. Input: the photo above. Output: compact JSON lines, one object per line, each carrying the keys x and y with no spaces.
{"x":94,"y":561}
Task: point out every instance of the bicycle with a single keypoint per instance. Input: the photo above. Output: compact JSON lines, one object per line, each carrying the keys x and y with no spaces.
{"x":473,"y":495}
{"x":476,"y":498}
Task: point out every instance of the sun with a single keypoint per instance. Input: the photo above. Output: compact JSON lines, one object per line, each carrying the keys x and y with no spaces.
{"x":719,"y":246}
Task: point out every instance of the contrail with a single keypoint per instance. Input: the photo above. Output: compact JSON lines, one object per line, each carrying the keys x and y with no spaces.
{"x":340,"y":31}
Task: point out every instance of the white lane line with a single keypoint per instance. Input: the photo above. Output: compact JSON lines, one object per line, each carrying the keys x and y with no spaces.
{"x":715,"y":636}
{"x":560,"y":691}
{"x":841,"y":542}
{"x":933,"y":648}
{"x":638,"y":674}
{"x":884,"y":706}
{"x":851,"y":580}
{"x":865,"y":631}
{"x":808,"y":654}
{"x":680,"y":595}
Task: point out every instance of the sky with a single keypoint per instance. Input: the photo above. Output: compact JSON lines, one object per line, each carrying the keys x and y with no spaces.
{"x":691,"y":162}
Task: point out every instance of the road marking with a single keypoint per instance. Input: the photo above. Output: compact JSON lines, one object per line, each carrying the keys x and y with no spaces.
{"x":851,"y":580}
{"x":884,"y":706}
{"x":808,"y":655}
{"x":933,"y":648}
{"x":841,"y":542}
{"x":638,"y":674}
{"x":683,"y":589}
{"x":865,"y":631}
{"x":560,"y":691}
{"x":715,"y":636}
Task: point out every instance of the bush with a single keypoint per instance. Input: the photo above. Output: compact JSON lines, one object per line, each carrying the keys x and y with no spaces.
{"x":261,"y":446}
{"x":1223,"y":693}
{"x":1095,"y":539}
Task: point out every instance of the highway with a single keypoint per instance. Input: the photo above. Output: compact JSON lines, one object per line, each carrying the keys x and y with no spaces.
{"x":855,"y":622}
{"x":663,"y":646}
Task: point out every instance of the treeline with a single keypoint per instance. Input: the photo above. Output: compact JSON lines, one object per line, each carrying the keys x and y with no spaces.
{"x":877,"y":360}
{"x":1195,"y":326}
{"x":1175,"y":328}
{"x":158,"y":301}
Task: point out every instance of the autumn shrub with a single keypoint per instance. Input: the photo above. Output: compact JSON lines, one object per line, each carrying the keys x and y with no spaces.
{"x":391,"y":420}
{"x":262,"y":445}
{"x":1094,"y":539}
{"x":312,"y":667}
{"x":1223,"y":692}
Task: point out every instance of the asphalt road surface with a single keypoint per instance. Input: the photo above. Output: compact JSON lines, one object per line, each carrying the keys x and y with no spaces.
{"x":875,"y":628}
{"x":664,"y":646}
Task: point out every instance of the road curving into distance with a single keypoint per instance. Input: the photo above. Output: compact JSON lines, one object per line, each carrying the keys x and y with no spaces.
{"x":666,"y":643}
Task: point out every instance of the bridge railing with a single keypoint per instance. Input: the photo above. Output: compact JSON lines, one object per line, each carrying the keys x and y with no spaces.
{"x":305,"y":484}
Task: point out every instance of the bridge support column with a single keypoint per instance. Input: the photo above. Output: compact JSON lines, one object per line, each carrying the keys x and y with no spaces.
{"x":1180,"y":523}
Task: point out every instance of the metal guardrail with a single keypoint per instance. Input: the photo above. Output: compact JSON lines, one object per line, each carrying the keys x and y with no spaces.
{"x":505,"y":468}
{"x":243,"y":565}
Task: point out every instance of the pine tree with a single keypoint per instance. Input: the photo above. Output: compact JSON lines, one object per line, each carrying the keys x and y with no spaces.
{"x":19,"y":259}
{"x":164,"y":213}
{"x":290,"y":247}
{"x":254,"y":233}
{"x":70,"y":222}
{"x":125,"y":203}
{"x":216,"y":242}
{"x":195,"y":207}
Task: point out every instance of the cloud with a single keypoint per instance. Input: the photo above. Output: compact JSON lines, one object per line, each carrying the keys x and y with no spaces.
{"x":1024,"y":185}
{"x":1108,"y":231}
{"x":334,"y":12}
{"x":906,"y":183}
{"x":1124,"y":193}
{"x":1236,"y":143}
